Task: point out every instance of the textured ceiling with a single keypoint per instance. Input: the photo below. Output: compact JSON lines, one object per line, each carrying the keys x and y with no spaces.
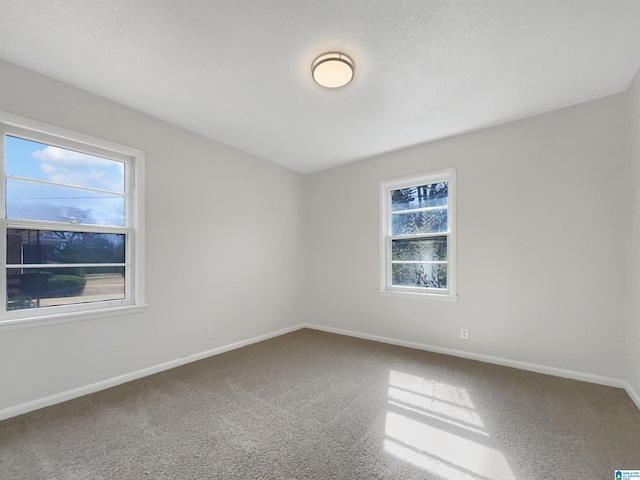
{"x":238,"y":71}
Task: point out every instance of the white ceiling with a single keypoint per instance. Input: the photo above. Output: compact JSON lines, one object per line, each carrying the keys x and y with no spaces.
{"x":238,"y":71}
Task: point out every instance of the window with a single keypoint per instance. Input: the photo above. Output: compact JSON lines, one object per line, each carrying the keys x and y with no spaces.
{"x":72,"y":224}
{"x":418,"y":234}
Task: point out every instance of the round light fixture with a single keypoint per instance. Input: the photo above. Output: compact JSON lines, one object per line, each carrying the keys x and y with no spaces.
{"x":332,"y":70}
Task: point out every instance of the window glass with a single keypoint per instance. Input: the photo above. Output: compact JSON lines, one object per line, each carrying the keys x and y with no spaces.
{"x":421,"y":250}
{"x":47,"y":287}
{"x":420,"y":221}
{"x":37,"y":201}
{"x":420,"y":275}
{"x":38,"y":161}
{"x":25,"y":246}
{"x":429,"y":195}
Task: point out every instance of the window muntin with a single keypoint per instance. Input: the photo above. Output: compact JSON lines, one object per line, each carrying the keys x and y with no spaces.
{"x":419,"y":234}
{"x":71,"y":229}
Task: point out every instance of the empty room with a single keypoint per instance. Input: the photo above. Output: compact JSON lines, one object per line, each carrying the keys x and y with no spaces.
{"x":386,"y":239}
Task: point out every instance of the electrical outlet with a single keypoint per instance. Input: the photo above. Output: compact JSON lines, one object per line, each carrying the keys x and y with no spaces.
{"x":212,"y":333}
{"x":464,"y":334}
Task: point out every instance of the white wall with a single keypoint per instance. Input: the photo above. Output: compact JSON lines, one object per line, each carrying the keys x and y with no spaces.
{"x":541,"y":244}
{"x":632,"y":333}
{"x":223,"y":249}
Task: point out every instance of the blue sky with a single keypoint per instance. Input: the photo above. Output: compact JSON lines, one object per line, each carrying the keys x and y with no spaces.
{"x":37,"y":201}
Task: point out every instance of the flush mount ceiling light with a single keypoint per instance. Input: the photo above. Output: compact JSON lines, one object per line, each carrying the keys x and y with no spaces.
{"x":332,"y":70}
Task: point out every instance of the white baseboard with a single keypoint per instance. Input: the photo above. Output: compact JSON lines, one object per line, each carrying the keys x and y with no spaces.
{"x":633,"y":394}
{"x":532,"y":367}
{"x":112,"y":382}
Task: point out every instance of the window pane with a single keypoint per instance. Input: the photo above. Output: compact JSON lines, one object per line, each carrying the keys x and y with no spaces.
{"x":47,"y":247}
{"x":46,"y":287}
{"x":425,"y":275}
{"x":422,"y":249}
{"x":44,"y":162}
{"x":425,"y":221}
{"x":429,"y":195}
{"x":37,"y":201}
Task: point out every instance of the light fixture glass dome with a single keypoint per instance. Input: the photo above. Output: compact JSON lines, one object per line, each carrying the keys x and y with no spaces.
{"x":332,"y":70}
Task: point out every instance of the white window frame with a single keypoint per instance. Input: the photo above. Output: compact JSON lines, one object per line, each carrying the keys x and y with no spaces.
{"x":134,"y":161}
{"x":446,"y":175}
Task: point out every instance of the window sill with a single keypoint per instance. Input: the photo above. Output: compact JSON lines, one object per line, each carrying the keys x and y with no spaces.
{"x":431,"y":296}
{"x":60,"y":318}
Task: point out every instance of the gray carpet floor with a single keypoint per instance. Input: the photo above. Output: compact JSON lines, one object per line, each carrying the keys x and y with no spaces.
{"x":314,"y":405}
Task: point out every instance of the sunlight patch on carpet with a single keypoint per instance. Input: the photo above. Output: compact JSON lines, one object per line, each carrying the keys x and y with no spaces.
{"x":434,"y":426}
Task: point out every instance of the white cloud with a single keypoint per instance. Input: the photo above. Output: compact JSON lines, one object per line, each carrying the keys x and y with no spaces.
{"x":74,"y":168}
{"x":61,"y":156}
